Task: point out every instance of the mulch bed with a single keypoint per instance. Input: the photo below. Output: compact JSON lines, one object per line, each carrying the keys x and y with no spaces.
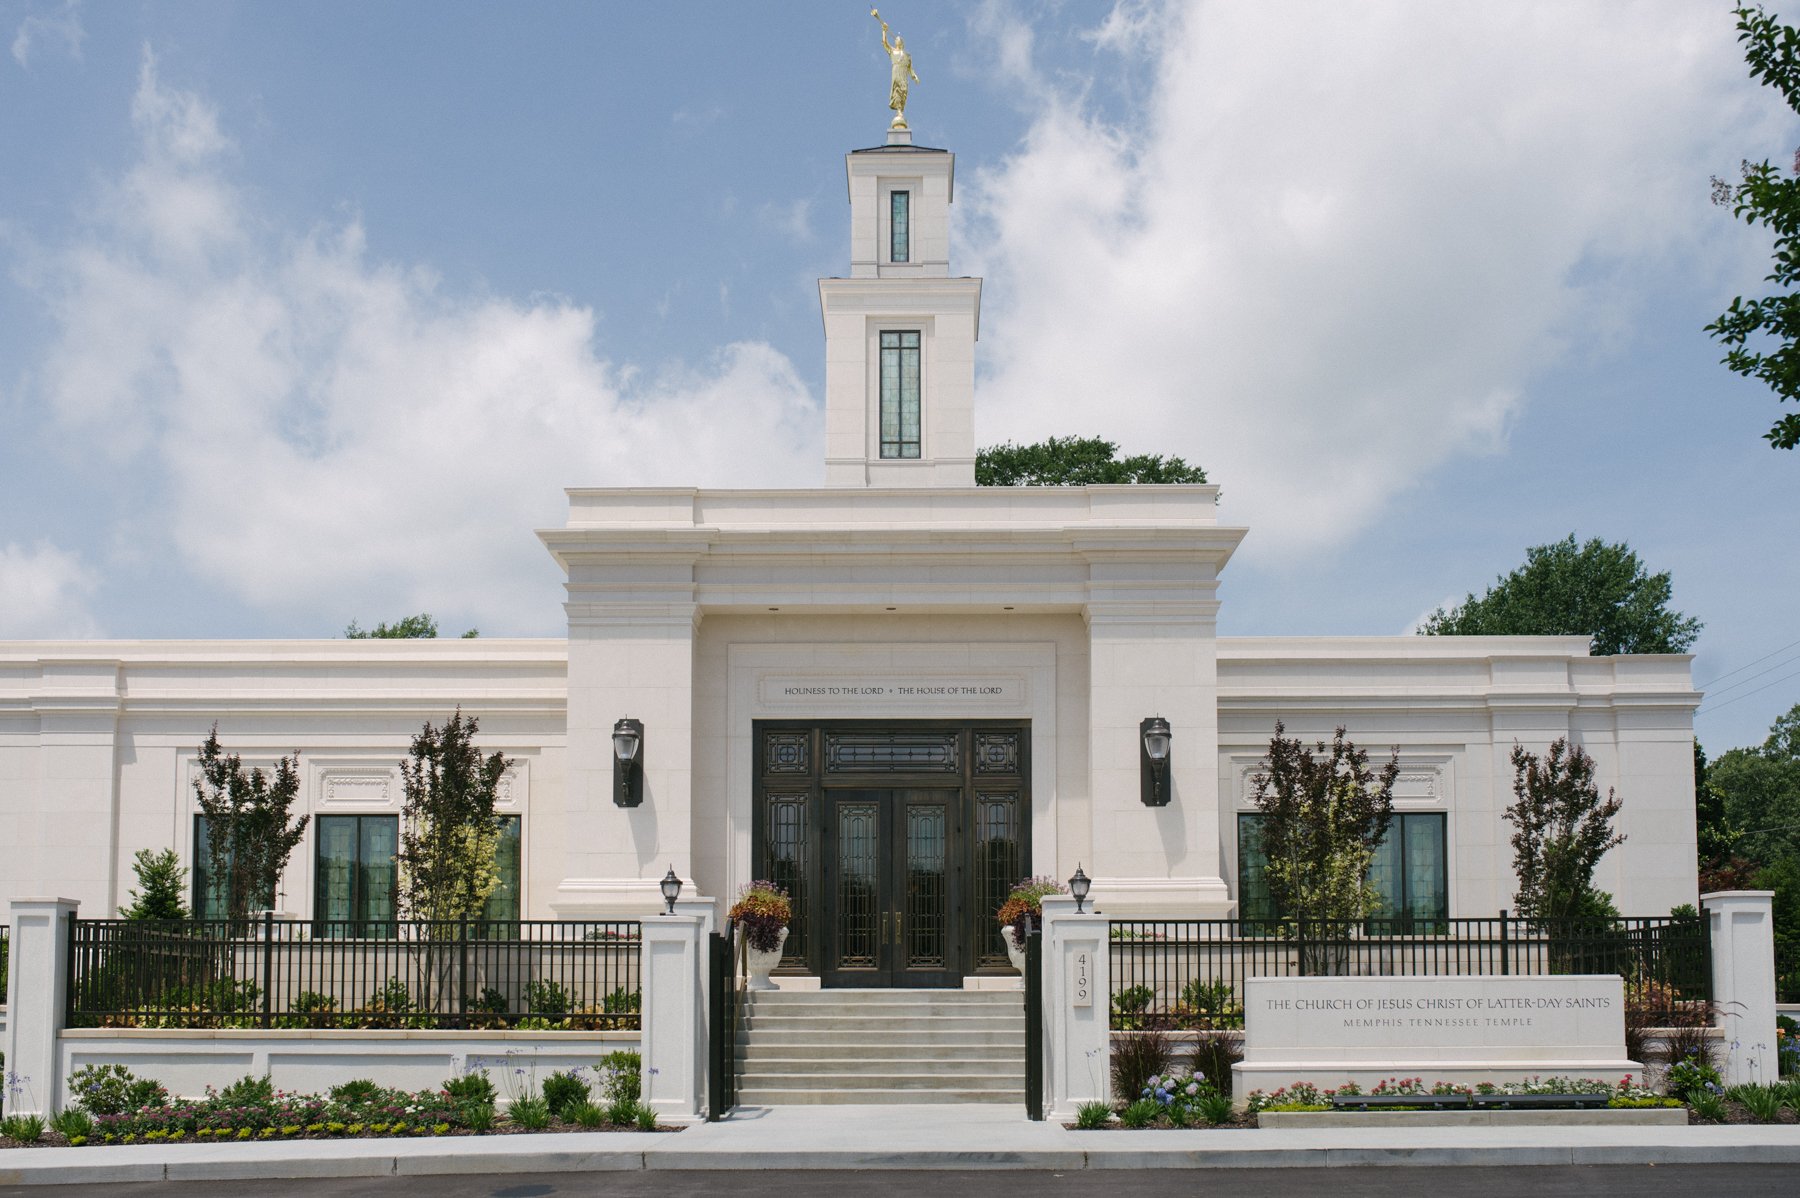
{"x":556,"y":1127}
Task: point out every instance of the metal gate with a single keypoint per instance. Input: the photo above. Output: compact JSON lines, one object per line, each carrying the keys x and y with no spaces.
{"x":1034,"y":1025}
{"x":723,"y":1015}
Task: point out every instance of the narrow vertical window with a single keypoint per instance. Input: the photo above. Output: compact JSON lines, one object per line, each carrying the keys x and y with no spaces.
{"x":503,"y":903}
{"x":354,"y":874}
{"x":900,"y":395}
{"x":212,"y":894}
{"x":899,"y":226}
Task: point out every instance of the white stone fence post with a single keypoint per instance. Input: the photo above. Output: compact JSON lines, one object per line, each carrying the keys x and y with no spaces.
{"x":37,"y":999}
{"x":673,"y":1009}
{"x":1743,"y":981}
{"x":1077,"y":1008}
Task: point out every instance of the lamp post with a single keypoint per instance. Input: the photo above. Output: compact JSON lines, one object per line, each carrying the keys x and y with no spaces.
{"x":628,"y":762}
{"x":1079,"y":886}
{"x":671,"y":890}
{"x":1153,"y":762}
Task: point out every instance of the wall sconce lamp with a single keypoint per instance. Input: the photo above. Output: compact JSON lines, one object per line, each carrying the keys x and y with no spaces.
{"x":1079,"y":885}
{"x":1153,"y":762}
{"x":671,"y":890}
{"x":628,"y":762}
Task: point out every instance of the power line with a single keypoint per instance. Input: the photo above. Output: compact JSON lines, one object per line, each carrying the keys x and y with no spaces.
{"x":1745,"y":666}
{"x":1759,"y":690}
{"x":1726,"y":690}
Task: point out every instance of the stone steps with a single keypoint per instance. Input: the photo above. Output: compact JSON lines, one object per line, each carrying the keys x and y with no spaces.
{"x":881,"y":1046}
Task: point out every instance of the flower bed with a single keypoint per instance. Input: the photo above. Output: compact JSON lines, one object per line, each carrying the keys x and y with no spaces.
{"x":114,"y":1107}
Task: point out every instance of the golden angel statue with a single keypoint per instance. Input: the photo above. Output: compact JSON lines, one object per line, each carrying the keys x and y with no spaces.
{"x":903,"y":71}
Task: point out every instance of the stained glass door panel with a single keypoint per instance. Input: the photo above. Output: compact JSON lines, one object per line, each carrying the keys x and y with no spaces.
{"x":858,"y":914}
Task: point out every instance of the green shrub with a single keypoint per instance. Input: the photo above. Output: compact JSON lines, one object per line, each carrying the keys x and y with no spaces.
{"x":1129,"y":1006}
{"x":72,"y":1122}
{"x":532,"y":1114}
{"x":548,"y":999}
{"x":1141,"y":1113}
{"x":645,"y":1117}
{"x":23,"y":1129}
{"x":1708,"y":1106}
{"x":476,"y":1116}
{"x":249,"y":1090}
{"x":113,"y":1090}
{"x":472,"y":1087}
{"x":622,"y":1001}
{"x":622,"y":1112}
{"x":563,"y":1092}
{"x":621,"y":1077}
{"x":1091,"y":1116}
{"x":1215,"y":1108}
{"x":1691,"y":1075}
{"x":587,"y":1115}
{"x":354,"y":1092}
{"x":1763,"y":1102}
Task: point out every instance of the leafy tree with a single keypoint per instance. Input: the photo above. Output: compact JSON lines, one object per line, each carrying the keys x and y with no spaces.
{"x":1761,"y":789}
{"x":1561,"y":830}
{"x":1767,"y":196}
{"x":1076,"y":462}
{"x":1322,"y":818}
{"x":1715,"y":835}
{"x":162,"y":886}
{"x":420,"y":627}
{"x":449,"y":827}
{"x":1595,"y":590}
{"x":249,"y":838}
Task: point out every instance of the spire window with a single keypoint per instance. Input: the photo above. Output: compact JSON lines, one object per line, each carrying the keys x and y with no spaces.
{"x":900,"y":394}
{"x":900,"y":226}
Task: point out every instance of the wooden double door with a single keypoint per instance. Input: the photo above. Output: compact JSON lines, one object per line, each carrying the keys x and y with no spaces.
{"x":897,"y":843}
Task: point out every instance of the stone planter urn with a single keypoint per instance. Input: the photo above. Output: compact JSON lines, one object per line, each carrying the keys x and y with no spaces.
{"x":1015,"y":951}
{"x":759,"y":963}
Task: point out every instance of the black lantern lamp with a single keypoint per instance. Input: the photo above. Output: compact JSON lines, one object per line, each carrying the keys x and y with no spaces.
{"x":1079,"y":886}
{"x":1153,"y":762}
{"x":671,"y":890}
{"x":628,"y":762}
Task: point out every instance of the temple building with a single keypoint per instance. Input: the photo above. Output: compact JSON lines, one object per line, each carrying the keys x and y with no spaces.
{"x":895,"y":694}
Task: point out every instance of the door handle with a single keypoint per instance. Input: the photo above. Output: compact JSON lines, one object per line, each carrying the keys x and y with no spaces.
{"x":897,"y":918}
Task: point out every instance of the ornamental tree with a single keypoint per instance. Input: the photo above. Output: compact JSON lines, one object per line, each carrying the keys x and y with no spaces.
{"x":1595,"y":590}
{"x":1076,"y":462}
{"x":449,"y":828}
{"x":1561,"y":830}
{"x":1323,"y":816}
{"x":249,"y":838}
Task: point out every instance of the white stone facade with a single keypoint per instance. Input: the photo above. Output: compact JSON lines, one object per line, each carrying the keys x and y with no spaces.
{"x":899,"y":591}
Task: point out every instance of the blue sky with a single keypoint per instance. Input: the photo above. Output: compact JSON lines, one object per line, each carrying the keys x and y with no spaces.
{"x":308,"y":312}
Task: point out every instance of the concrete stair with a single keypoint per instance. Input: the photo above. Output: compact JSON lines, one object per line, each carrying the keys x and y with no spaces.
{"x":882,"y":1046}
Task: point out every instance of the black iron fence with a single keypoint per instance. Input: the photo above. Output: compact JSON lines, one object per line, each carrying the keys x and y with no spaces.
{"x":5,"y":955}
{"x":1188,"y":974}
{"x":1787,"y":970}
{"x":526,"y":975}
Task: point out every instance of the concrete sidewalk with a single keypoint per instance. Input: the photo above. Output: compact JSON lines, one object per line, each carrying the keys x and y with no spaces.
{"x":903,"y":1137}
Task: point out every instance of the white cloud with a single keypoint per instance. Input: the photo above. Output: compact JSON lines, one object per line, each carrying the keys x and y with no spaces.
{"x":64,"y":27}
{"x":342,"y":436}
{"x":44,"y":592}
{"x":1333,"y":253}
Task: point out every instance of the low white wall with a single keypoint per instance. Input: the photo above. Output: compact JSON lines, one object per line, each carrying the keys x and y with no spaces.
{"x":187,"y":1061}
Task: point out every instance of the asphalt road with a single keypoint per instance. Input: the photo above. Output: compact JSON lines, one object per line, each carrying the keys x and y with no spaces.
{"x":1540,"y":1181}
